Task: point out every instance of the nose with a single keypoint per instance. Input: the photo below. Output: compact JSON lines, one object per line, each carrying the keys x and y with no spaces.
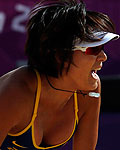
{"x":102,"y":56}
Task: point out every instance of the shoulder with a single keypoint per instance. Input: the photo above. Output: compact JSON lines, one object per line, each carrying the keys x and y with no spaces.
{"x":19,"y":78}
{"x":17,"y":89}
{"x":87,"y":103}
{"x":87,"y":129}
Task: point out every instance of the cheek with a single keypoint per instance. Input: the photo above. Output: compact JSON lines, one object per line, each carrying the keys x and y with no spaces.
{"x":81,"y":59}
{"x":83,"y":64}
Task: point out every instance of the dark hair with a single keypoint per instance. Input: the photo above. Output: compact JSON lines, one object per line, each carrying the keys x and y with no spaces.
{"x":53,"y":26}
{"x":96,"y":21}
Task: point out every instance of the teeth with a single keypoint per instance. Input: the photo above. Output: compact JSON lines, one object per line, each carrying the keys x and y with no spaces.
{"x":94,"y":71}
{"x":94,"y":74}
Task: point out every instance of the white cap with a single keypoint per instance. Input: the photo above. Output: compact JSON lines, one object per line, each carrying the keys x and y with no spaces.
{"x":103,"y":37}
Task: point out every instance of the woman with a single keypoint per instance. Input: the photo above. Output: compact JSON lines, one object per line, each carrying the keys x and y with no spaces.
{"x":55,"y":99}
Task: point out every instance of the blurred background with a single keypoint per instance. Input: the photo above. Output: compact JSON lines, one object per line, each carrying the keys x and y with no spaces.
{"x":13,"y":17}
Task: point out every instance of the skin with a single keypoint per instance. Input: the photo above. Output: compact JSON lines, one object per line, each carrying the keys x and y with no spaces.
{"x":55,"y":119}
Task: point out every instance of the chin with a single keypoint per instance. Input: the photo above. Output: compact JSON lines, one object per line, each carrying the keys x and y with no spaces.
{"x":89,"y":87}
{"x":93,"y":86}
{"x":93,"y":83}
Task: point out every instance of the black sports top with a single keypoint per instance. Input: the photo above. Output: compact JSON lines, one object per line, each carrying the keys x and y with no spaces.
{"x":26,"y":140}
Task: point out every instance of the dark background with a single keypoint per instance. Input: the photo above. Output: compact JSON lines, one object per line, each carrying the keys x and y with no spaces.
{"x":13,"y":16}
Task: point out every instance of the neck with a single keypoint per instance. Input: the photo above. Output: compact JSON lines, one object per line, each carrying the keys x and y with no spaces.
{"x":55,"y":99}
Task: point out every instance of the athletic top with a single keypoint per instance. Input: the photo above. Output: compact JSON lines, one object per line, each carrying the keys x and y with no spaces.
{"x":26,"y":140}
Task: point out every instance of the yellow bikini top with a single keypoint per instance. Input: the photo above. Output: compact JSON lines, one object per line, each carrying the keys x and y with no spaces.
{"x":35,"y":114}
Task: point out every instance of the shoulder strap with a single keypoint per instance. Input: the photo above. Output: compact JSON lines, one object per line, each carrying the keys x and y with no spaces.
{"x":76,"y":106}
{"x":37,"y":95}
{"x":36,"y":105}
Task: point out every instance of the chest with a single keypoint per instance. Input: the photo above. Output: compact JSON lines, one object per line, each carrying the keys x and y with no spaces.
{"x":55,"y":129}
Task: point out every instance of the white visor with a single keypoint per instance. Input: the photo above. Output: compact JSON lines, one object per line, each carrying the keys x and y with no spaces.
{"x":103,"y":36}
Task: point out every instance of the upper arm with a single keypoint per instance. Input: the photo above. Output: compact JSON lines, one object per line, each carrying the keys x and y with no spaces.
{"x":13,"y":101}
{"x":87,"y":131}
{"x":7,"y":113}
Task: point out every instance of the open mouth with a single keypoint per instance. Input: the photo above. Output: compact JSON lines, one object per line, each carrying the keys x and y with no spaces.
{"x":94,"y":74}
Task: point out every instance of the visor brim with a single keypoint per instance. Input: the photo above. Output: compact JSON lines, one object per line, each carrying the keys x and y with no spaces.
{"x":108,"y":37}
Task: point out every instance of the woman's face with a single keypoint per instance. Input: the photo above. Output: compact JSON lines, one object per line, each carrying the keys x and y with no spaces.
{"x":84,"y":74}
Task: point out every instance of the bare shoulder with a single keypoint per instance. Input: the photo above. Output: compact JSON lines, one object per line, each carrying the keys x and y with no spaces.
{"x":87,"y":129}
{"x":17,"y":90}
{"x":86,"y":103}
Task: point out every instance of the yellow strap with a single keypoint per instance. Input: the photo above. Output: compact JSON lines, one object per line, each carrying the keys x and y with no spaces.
{"x":76,"y":106}
{"x":55,"y":146}
{"x":35,"y":108}
{"x":37,"y":95}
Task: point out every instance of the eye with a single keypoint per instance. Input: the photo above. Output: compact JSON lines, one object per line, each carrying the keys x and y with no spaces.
{"x":94,"y":50}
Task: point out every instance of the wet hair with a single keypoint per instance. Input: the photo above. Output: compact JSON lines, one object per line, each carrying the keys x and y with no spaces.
{"x":53,"y":26}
